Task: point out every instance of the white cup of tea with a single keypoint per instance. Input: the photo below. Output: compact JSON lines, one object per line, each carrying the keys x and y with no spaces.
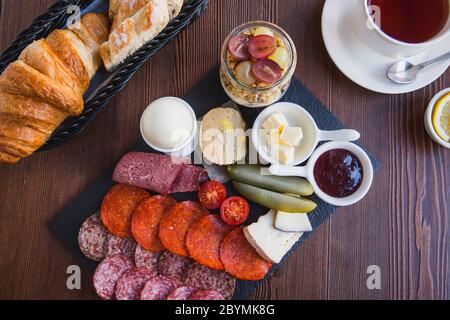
{"x":386,"y":29}
{"x":313,"y":173}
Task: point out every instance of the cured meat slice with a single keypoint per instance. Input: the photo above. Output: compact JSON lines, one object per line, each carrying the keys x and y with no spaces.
{"x":146,"y":219}
{"x":123,"y":246}
{"x":206,"y":295}
{"x":118,"y":206}
{"x":159,"y":288}
{"x":181,"y":293}
{"x":92,"y":238}
{"x":155,"y":172}
{"x":189,"y":179}
{"x":131,"y":283}
{"x":173,"y":266}
{"x":204,"y":238}
{"x":107,"y":274}
{"x":204,"y":278}
{"x":240,"y":259}
{"x":176,"y":223}
{"x":146,"y":259}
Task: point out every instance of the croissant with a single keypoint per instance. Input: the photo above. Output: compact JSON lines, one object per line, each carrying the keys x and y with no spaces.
{"x":46,"y":85}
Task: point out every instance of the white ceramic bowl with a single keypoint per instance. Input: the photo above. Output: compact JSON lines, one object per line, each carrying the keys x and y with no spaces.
{"x":297,"y":117}
{"x":188,"y":146}
{"x":428,"y":119}
{"x":308,"y":172}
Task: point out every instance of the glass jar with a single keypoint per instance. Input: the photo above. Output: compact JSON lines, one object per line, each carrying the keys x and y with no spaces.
{"x":259,"y":94}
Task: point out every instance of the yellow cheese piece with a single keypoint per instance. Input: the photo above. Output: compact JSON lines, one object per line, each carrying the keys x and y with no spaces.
{"x":276,"y":121}
{"x":282,"y":152}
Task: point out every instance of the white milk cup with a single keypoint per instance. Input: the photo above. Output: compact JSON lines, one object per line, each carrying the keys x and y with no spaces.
{"x":308,"y":172}
{"x":370,"y":33}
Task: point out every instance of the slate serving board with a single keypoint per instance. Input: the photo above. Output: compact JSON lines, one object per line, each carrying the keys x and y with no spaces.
{"x":204,"y":96}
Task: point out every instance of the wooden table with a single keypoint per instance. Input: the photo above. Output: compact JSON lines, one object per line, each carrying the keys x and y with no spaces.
{"x":401,"y":226}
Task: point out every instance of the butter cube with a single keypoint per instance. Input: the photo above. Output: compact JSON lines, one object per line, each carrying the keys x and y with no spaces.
{"x":283,"y":152}
{"x":276,"y":121}
{"x":292,"y":135}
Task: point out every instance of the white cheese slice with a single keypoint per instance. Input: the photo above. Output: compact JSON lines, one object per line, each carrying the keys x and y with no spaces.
{"x":292,"y":135}
{"x":270,"y":243}
{"x":293,"y":222}
{"x":275,"y":121}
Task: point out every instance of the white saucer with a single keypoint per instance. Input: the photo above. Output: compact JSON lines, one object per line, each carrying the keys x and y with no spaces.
{"x":363,"y":65}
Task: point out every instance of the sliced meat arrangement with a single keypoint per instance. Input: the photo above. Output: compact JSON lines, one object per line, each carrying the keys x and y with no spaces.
{"x":159,"y":288}
{"x":173,"y":266}
{"x":158,"y":173}
{"x":132,"y":282}
{"x":206,"y":295}
{"x":240,"y":259}
{"x":181,"y":293}
{"x":107,"y":274}
{"x":146,"y":220}
{"x":204,"y":278}
{"x":146,"y":259}
{"x":204,"y":238}
{"x":176,"y":223}
{"x":92,"y":238}
{"x":123,"y":246}
{"x":118,"y":206}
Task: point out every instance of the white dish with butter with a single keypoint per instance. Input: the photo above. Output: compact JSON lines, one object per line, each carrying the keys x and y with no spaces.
{"x":169,"y":125}
{"x":297,"y":126}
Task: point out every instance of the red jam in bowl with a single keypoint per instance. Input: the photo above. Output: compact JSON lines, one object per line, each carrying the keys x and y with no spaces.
{"x":338,"y":173}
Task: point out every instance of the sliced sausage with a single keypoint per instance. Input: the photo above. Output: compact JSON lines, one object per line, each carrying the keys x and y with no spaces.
{"x":240,"y":259}
{"x":118,"y":206}
{"x":123,"y":246}
{"x":146,"y":219}
{"x":146,"y":259}
{"x":176,"y":223}
{"x":181,"y":293}
{"x":92,"y":238}
{"x":131,"y":283}
{"x":204,"y":238}
{"x":206,"y":295}
{"x":107,"y":274}
{"x":173,"y":266}
{"x":159,"y":288}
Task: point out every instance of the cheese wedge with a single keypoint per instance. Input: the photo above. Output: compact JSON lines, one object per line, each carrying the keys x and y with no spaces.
{"x":292,"y":222}
{"x":270,"y":243}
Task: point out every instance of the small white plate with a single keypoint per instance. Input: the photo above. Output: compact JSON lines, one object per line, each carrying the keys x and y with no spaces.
{"x":363,"y":65}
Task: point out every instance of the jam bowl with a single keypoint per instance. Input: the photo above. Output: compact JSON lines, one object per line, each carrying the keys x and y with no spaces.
{"x":340,"y":172}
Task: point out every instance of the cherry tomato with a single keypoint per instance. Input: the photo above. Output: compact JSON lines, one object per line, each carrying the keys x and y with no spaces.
{"x":212,"y":194}
{"x":267,"y":71}
{"x":234,"y":211}
{"x":262,"y":46}
{"x":238,"y":47}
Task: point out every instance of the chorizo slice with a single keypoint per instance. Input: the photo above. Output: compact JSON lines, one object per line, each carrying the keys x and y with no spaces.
{"x":146,"y":220}
{"x":176,"y":223}
{"x":118,"y":206}
{"x":240,"y":259}
{"x":204,"y":238}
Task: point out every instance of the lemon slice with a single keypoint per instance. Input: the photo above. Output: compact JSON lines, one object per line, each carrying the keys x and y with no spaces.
{"x":441,"y":117}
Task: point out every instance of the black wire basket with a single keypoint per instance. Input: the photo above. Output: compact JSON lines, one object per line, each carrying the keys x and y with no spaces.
{"x":56,"y":18}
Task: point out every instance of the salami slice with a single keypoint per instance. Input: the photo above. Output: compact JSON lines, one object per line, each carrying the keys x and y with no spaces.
{"x":206,"y":295}
{"x":173,"y":266}
{"x":123,"y":246}
{"x":181,"y":293}
{"x":131,"y":283}
{"x":92,"y":238}
{"x":118,"y":206}
{"x":208,"y":279}
{"x":204,"y":238}
{"x":176,"y":223}
{"x":159,"y":288}
{"x":146,"y":259}
{"x":107,"y":274}
{"x":240,"y":259}
{"x":146,"y":219}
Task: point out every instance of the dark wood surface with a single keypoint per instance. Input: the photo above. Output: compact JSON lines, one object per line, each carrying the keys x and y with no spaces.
{"x":401,"y":226}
